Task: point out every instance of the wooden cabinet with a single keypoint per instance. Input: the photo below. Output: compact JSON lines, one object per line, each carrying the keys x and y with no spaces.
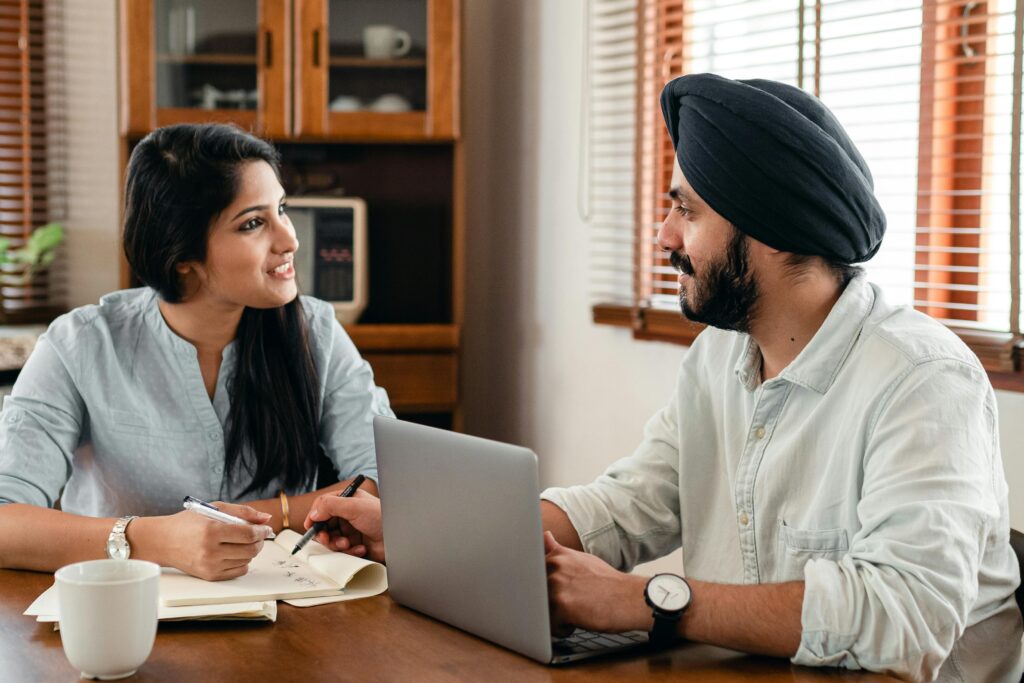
{"x":294,"y":69}
{"x":362,"y":99}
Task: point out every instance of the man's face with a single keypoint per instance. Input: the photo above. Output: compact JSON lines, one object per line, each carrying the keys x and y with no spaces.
{"x":716,"y":285}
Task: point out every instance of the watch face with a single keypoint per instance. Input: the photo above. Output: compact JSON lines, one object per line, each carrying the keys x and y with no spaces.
{"x":668,"y":592}
{"x":117,"y":549}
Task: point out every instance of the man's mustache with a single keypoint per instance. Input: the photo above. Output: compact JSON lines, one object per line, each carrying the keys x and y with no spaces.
{"x":681,"y":263}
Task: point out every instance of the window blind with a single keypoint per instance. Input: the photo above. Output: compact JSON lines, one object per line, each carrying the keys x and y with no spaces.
{"x":930,"y":93}
{"x":31,"y":168}
{"x":608,"y":147}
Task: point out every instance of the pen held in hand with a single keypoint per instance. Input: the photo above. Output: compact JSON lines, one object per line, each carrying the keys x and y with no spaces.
{"x":212,"y":512}
{"x":320,"y":526}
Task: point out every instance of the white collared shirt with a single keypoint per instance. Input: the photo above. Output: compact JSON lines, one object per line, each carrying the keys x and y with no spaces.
{"x":869,"y":468}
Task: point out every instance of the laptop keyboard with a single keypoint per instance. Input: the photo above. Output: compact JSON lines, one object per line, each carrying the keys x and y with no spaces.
{"x":589,"y":641}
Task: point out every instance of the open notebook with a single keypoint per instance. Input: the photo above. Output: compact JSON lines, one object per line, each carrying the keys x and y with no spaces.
{"x":315,"y":572}
{"x":314,"y":576}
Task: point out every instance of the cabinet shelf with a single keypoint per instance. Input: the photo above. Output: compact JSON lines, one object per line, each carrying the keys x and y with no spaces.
{"x":209,"y":58}
{"x":411,"y":337}
{"x":364,"y":63}
{"x":416,"y":364}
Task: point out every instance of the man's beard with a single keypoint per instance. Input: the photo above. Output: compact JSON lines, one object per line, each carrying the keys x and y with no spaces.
{"x":726,"y":294}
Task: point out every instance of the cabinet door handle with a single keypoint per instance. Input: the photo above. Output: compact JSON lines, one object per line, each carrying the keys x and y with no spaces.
{"x":316,"y":47}
{"x":268,"y":49}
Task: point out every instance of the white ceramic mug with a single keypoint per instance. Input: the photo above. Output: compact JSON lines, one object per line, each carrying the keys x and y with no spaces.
{"x":108,"y":615}
{"x":381,"y":41}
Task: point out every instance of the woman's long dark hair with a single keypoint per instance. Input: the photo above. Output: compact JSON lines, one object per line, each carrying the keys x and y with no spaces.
{"x":179,"y":179}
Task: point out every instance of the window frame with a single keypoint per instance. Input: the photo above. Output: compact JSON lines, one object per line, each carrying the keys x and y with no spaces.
{"x":999,"y":352}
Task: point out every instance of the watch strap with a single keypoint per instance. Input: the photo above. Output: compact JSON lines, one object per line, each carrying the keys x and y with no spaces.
{"x":664,"y":630}
{"x":122,"y":524}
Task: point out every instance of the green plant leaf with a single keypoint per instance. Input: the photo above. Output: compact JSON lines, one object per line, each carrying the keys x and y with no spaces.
{"x":47,"y":237}
{"x":39,"y":248}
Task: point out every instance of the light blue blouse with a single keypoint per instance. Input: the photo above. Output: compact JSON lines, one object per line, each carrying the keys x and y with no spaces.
{"x":111,"y":409}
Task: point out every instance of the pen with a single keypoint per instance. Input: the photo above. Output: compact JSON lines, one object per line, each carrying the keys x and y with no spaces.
{"x":320,"y":526}
{"x":203,"y":508}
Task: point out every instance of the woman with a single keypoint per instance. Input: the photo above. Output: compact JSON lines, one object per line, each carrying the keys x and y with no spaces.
{"x":215,"y":380}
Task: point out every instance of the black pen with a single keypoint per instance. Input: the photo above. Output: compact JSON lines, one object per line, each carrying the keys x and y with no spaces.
{"x":320,"y":526}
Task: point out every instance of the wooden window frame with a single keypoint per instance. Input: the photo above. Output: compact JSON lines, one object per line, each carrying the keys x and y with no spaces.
{"x":30,"y":188}
{"x":951,"y":125}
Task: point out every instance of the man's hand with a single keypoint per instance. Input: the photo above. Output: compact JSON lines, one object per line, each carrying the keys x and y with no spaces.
{"x":353,"y":524}
{"x":585,"y":592}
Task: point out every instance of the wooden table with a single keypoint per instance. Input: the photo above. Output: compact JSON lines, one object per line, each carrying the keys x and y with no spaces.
{"x":364,"y":640}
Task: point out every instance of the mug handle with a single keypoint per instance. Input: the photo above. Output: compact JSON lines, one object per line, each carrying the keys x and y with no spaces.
{"x":404,"y":44}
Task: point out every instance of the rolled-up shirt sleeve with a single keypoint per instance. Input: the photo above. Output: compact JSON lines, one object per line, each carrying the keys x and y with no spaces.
{"x":350,"y":401}
{"x":900,"y":599}
{"x":40,"y":427}
{"x":630,"y":514}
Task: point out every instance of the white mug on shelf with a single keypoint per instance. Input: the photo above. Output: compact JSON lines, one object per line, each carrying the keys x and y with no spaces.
{"x":381,"y":41}
{"x":108,"y":615}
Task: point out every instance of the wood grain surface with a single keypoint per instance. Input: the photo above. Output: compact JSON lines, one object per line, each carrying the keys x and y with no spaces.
{"x":364,"y":640}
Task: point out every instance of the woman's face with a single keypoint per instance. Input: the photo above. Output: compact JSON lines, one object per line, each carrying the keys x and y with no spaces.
{"x":250,"y":247}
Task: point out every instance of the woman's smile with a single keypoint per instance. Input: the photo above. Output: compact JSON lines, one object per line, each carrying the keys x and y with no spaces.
{"x":285,"y":271}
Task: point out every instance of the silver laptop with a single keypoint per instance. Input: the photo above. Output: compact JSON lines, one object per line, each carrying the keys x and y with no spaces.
{"x":464,"y":544}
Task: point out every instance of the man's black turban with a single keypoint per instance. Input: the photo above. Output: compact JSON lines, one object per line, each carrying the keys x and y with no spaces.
{"x":774,"y":162}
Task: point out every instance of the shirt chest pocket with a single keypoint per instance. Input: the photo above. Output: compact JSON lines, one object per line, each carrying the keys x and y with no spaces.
{"x":796,"y":546}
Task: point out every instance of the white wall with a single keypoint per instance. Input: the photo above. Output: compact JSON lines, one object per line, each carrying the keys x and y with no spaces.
{"x":537,"y":371}
{"x":94,"y":176}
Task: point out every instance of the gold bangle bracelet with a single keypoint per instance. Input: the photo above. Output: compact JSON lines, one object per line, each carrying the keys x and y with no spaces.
{"x":284,"y":510}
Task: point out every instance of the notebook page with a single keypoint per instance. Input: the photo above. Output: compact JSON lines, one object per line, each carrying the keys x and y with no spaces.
{"x":273,"y":575}
{"x":45,"y":608}
{"x":359,"y":577}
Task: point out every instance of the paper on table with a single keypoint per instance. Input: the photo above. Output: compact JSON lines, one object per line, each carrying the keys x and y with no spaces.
{"x":45,"y":608}
{"x":315,"y":576}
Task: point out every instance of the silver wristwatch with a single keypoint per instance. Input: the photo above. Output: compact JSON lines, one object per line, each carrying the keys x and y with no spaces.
{"x":117,"y":543}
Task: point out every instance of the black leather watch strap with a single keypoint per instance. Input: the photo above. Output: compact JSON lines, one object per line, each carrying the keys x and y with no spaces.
{"x":664,"y":630}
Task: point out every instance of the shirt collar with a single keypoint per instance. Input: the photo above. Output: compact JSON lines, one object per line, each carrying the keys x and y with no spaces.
{"x":156,"y":322}
{"x":819,"y":362}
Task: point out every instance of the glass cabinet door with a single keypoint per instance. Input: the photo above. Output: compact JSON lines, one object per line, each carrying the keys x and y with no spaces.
{"x":377,"y":56}
{"x":376,"y":69}
{"x":199,"y":60}
{"x":206,"y":54}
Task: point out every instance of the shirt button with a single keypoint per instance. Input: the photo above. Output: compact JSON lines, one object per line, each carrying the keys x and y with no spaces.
{"x":218,"y":469}
{"x":214,"y":436}
{"x":759,"y":432}
{"x":744,"y":520}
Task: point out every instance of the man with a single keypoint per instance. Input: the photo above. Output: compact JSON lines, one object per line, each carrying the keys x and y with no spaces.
{"x":829,"y":463}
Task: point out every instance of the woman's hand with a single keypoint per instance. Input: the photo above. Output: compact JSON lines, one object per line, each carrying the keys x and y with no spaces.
{"x":210,"y":549}
{"x":353,"y":524}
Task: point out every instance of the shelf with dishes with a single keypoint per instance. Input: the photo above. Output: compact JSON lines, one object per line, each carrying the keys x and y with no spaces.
{"x":207,"y":58}
{"x":368,"y":63}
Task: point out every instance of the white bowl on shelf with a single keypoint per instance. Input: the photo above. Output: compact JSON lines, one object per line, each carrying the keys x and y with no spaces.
{"x":391,"y":103}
